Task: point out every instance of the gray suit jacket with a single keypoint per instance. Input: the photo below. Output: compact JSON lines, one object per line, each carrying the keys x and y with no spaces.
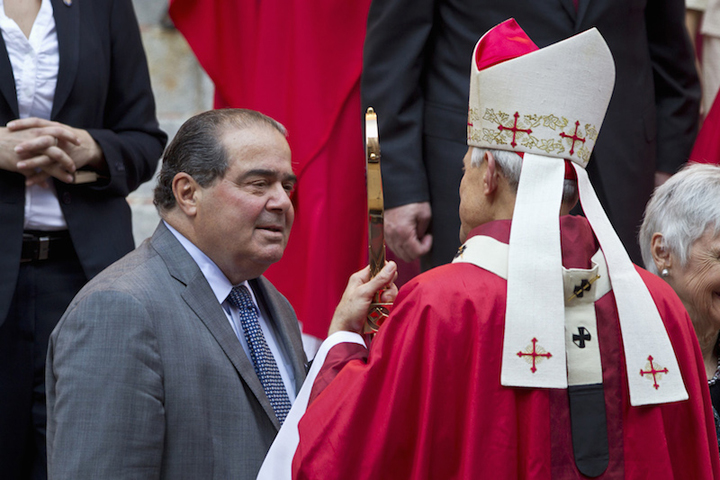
{"x":146,"y":378}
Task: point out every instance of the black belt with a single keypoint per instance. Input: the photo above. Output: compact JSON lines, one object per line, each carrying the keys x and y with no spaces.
{"x":40,"y":245}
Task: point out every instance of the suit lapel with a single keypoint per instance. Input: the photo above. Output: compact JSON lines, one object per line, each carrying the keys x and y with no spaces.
{"x":578,"y":14}
{"x":67,"y":23}
{"x":570,"y":8}
{"x":7,"y":80}
{"x":200,"y":298}
{"x":582,"y":9}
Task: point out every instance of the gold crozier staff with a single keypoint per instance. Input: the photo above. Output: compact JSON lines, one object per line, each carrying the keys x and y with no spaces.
{"x":376,"y":240}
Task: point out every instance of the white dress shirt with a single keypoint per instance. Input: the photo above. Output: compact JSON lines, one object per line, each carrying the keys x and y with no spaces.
{"x":221,"y":287}
{"x":35,"y":61}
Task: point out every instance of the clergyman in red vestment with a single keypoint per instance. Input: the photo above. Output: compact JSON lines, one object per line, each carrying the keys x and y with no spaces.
{"x":541,"y":352}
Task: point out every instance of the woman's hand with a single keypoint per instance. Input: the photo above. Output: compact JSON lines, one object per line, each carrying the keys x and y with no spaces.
{"x":44,"y":149}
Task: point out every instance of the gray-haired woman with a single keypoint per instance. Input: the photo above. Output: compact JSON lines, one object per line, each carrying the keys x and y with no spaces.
{"x":680,"y":241}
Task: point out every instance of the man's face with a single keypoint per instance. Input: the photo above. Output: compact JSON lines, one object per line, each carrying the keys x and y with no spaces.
{"x":473,"y":203}
{"x":243,"y":219}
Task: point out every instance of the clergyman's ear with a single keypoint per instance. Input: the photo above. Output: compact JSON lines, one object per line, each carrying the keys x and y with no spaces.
{"x":187,"y":192}
{"x":490,"y":182}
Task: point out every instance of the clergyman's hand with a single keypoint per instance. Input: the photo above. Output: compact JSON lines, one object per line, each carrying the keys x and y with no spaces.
{"x":353,"y":308}
{"x":406,"y":230}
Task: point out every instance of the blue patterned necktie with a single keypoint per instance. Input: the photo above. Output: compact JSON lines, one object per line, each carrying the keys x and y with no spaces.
{"x":262,"y":358}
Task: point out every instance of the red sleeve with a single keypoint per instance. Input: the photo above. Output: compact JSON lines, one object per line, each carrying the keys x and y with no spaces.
{"x":338,"y":356}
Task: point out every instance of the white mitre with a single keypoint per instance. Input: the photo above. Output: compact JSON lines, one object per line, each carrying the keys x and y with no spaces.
{"x":549,"y":104}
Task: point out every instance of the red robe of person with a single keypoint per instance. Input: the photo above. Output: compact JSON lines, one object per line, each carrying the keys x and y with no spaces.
{"x":426,"y":402}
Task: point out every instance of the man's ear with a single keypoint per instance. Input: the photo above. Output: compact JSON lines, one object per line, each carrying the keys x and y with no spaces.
{"x":659,"y":251}
{"x":187,"y":192}
{"x":490,"y":182}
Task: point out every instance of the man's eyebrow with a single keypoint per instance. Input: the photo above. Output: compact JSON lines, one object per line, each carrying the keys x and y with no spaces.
{"x":261,"y":172}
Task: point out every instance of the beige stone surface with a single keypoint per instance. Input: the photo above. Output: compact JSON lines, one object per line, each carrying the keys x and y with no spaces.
{"x":181,"y":90}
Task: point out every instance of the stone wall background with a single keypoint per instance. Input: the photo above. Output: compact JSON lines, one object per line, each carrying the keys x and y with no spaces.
{"x":181,"y":89}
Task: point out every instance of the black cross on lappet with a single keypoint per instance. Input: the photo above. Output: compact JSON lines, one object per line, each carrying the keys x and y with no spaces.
{"x":580,"y":290}
{"x":584,"y":286}
{"x":581,"y":337}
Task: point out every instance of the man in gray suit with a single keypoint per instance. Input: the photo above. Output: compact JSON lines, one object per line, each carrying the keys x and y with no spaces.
{"x":146,"y":373}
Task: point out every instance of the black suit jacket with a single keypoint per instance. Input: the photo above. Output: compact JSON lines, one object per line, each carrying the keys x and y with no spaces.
{"x":103,"y":86}
{"x":416,"y":75}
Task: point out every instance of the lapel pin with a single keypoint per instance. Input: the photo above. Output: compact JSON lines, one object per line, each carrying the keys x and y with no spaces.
{"x":67,"y":2}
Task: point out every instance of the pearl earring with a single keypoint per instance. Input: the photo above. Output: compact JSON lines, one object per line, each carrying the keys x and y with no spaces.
{"x":665,"y":272}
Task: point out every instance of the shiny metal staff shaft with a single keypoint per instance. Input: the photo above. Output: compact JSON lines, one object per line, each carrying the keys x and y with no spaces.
{"x":376,"y":237}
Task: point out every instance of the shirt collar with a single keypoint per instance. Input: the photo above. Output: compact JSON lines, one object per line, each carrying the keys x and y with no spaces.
{"x":219,"y":283}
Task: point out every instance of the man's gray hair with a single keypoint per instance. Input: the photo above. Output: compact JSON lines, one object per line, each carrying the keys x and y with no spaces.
{"x":682,"y":210}
{"x":197,"y":149}
{"x":510,"y":164}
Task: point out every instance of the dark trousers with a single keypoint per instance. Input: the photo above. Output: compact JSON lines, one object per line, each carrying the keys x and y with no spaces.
{"x":43,"y":292}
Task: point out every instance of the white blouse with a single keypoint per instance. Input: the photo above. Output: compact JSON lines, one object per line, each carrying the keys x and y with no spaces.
{"x":35,"y":62}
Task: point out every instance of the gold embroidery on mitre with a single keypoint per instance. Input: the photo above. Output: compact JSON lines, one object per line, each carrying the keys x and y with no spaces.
{"x":508,"y":129}
{"x":472,"y":132}
{"x":583,"y":153}
{"x":546,"y":145}
{"x":473,"y":116}
{"x":549,"y":121}
{"x":532,"y":131}
{"x":591,"y":132}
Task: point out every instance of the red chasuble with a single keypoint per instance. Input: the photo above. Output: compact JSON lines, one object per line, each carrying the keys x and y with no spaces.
{"x":298,"y":61}
{"x":426,"y":402}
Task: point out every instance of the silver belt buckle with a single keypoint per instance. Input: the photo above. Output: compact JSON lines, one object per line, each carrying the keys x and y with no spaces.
{"x":44,"y":248}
